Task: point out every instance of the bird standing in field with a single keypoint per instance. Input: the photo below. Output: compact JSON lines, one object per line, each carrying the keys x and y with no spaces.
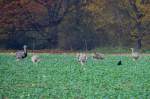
{"x":98,"y":55}
{"x":21,"y":54}
{"x":82,"y":58}
{"x":119,"y":62}
{"x":35,"y":59}
{"x":135,"y":54}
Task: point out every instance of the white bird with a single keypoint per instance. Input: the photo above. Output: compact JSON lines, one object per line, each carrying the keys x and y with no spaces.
{"x":98,"y":55}
{"x":82,"y":58}
{"x":35,"y":59}
{"x":21,"y":53}
{"x":135,"y":54}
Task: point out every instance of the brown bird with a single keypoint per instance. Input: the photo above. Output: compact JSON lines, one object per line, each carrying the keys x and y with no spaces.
{"x":98,"y":55}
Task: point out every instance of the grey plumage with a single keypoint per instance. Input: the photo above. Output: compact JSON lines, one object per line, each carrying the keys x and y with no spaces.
{"x":21,"y":53}
{"x":82,"y":58}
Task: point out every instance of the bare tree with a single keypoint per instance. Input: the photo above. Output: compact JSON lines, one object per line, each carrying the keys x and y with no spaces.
{"x":138,"y":16}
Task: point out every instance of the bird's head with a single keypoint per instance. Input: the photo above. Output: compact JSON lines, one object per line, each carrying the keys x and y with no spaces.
{"x":25,"y":46}
{"x":132,"y":49}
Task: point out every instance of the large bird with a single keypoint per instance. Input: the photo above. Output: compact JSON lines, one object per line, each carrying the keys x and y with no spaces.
{"x":82,"y":58}
{"x":35,"y":59}
{"x":98,"y":55}
{"x":135,"y":54}
{"x":21,"y":53}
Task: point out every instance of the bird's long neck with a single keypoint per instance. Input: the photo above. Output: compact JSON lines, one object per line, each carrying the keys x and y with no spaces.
{"x":25,"y":50}
{"x":132,"y":50}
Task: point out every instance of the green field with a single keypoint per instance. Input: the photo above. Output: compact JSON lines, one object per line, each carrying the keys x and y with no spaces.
{"x":60,"y":76}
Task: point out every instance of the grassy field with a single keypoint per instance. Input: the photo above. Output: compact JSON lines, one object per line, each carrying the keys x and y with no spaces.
{"x":60,"y":76}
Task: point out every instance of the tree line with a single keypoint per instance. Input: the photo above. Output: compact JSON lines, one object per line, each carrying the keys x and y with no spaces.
{"x":74,"y":24}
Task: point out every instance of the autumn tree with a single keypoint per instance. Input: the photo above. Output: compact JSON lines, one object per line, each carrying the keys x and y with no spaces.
{"x":39,"y":18}
{"x":140,"y":13}
{"x":74,"y":24}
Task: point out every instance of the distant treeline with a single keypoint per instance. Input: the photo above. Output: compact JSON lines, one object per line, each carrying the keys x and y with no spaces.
{"x":74,"y":24}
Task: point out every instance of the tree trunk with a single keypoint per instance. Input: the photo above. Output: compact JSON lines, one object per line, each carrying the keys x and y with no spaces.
{"x":139,"y":43}
{"x":138,"y":16}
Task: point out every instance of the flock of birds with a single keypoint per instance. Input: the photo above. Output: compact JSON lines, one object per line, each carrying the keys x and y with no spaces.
{"x":21,"y":54}
{"x":81,"y":57}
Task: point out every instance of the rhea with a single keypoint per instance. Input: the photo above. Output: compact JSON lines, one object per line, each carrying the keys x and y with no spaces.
{"x":21,"y":54}
{"x":82,"y":58}
{"x":135,"y":54}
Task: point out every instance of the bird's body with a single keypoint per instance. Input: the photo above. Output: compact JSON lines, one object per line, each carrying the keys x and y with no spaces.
{"x":21,"y":53}
{"x":98,"y":55}
{"x":135,"y":54}
{"x":82,"y":58}
{"x":35,"y":59}
{"x":119,"y":62}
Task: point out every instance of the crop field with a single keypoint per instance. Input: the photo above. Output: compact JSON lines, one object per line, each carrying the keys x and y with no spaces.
{"x":60,"y":76}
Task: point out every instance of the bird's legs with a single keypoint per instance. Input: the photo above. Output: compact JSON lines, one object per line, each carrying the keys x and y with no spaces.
{"x":17,"y":60}
{"x":81,"y":62}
